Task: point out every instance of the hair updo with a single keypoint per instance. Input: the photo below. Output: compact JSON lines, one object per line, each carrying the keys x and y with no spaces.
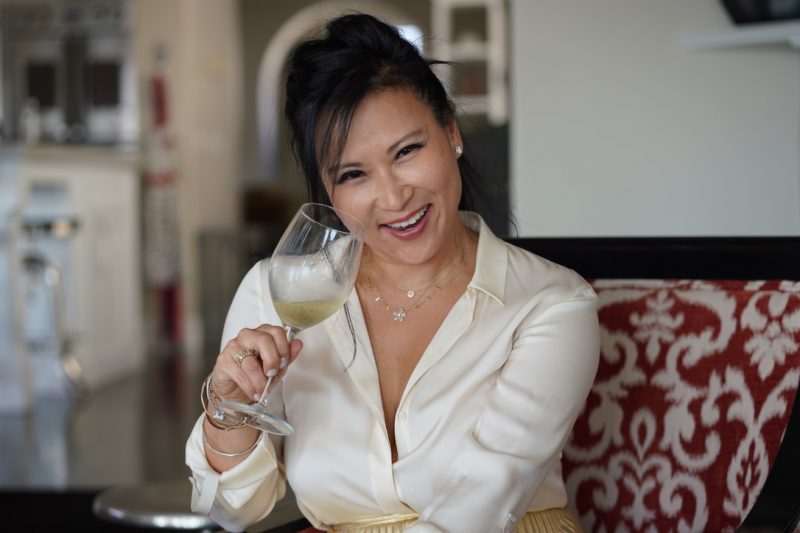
{"x":330,"y":76}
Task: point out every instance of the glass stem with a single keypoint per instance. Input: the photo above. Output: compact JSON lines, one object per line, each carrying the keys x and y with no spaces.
{"x":291,"y":333}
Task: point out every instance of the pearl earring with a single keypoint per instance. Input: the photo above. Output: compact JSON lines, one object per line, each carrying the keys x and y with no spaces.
{"x":459,"y":150}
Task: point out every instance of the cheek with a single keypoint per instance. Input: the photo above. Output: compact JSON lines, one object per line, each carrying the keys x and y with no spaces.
{"x":449,"y":180}
{"x":351,"y":200}
{"x":340,"y":201}
{"x":435,"y":174}
{"x":457,"y":187}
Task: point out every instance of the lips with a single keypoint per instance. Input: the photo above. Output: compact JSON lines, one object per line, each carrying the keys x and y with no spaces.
{"x":410,"y":227}
{"x":409,"y":222}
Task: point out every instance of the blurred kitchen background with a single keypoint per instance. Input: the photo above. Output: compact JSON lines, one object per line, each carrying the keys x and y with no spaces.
{"x":144,"y":167}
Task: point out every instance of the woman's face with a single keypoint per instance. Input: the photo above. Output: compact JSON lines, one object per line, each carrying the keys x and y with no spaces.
{"x":399,"y":176}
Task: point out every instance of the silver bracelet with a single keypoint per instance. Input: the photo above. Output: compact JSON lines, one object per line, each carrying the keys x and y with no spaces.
{"x":216,"y":416}
{"x":229,"y":454}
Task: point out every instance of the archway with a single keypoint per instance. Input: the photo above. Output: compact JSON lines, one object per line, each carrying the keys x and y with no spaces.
{"x":268,"y":84}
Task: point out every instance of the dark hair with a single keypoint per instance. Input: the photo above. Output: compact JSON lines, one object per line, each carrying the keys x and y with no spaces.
{"x":329,"y":77}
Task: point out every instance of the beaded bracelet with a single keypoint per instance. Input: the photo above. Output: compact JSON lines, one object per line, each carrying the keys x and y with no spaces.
{"x":229,"y":454}
{"x":217,"y":417}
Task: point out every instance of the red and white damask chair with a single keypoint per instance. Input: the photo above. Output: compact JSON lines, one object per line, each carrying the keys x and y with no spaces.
{"x":693,"y":422}
{"x":694,"y":390}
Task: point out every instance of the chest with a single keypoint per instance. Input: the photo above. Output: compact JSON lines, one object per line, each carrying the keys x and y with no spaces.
{"x":334,"y":413}
{"x":398,"y":346}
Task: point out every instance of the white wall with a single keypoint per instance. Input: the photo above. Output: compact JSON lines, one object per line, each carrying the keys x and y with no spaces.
{"x":618,"y":130}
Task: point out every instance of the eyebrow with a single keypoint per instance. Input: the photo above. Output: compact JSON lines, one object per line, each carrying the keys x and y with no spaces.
{"x":394,"y":146}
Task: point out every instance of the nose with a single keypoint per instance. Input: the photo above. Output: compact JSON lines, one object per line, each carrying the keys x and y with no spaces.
{"x":393,"y":193}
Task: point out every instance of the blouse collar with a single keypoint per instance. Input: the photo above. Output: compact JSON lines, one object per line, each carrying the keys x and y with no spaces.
{"x":491,"y":261}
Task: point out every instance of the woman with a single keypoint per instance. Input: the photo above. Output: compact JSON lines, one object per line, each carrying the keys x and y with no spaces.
{"x":440,"y":397}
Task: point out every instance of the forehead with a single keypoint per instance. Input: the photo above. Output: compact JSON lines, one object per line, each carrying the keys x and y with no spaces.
{"x":379,"y":120}
{"x":394,"y":101}
{"x":386,"y":115}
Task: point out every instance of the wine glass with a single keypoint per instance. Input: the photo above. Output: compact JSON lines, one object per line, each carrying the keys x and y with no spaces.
{"x":311,"y":273}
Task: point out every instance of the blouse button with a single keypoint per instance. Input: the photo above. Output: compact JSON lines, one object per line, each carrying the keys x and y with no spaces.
{"x":403,"y":416}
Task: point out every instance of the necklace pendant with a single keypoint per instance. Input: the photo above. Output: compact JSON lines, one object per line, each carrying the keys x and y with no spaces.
{"x":399,"y":314}
{"x":410,"y":294}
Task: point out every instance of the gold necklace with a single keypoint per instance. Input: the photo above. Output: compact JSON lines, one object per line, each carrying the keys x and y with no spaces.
{"x":399,"y":313}
{"x":410,"y":293}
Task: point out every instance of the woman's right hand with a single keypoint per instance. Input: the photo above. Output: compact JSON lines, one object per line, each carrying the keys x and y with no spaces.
{"x":272,"y":354}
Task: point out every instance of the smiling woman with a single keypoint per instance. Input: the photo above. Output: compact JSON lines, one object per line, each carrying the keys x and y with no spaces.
{"x":472,"y":357}
{"x":399,"y":176}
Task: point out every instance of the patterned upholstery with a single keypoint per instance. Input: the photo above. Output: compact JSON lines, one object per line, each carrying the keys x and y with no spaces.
{"x":693,"y":394}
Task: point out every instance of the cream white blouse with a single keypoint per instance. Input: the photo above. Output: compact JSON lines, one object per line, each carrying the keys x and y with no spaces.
{"x":479,"y":428}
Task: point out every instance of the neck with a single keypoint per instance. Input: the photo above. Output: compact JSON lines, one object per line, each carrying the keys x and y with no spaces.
{"x":417,"y":276}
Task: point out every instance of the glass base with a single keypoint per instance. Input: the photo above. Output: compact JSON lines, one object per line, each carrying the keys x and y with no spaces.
{"x":257,"y":417}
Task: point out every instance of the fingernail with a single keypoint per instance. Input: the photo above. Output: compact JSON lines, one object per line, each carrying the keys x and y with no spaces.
{"x":284,"y":361}
{"x":272,"y":372}
{"x":256,"y":397}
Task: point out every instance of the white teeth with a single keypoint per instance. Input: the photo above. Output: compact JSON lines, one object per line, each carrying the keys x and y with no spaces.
{"x":410,"y":222}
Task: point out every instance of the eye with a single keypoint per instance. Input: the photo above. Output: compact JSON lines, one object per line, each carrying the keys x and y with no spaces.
{"x":347,"y":176}
{"x":404,"y":151}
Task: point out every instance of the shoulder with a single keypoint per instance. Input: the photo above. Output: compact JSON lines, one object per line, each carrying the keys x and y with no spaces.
{"x":249,"y":307}
{"x":521,"y":279}
{"x":255,"y":281}
{"x":533,"y":278}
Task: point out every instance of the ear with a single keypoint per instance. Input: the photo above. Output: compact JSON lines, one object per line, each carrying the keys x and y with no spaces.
{"x":454,"y":136}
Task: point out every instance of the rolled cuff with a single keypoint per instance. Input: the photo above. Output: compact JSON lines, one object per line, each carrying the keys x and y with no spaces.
{"x":237,"y":485}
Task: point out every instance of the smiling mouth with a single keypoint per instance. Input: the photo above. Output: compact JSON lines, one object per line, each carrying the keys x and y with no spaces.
{"x":411,"y":221}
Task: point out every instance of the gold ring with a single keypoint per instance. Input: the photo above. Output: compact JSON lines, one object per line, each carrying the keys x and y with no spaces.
{"x":241,"y":356}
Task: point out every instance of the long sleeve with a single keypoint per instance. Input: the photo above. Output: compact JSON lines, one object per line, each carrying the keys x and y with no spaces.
{"x":523,"y":426}
{"x":248,"y":492}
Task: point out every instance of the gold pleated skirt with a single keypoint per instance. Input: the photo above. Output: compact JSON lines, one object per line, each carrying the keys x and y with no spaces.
{"x":547,"y":521}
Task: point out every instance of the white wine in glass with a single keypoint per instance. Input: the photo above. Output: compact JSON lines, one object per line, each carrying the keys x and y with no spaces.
{"x":311,"y":274}
{"x":301,"y":315}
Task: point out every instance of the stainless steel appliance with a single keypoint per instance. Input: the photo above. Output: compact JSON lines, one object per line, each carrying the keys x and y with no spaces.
{"x":56,"y":369}
{"x":69,"y":62}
